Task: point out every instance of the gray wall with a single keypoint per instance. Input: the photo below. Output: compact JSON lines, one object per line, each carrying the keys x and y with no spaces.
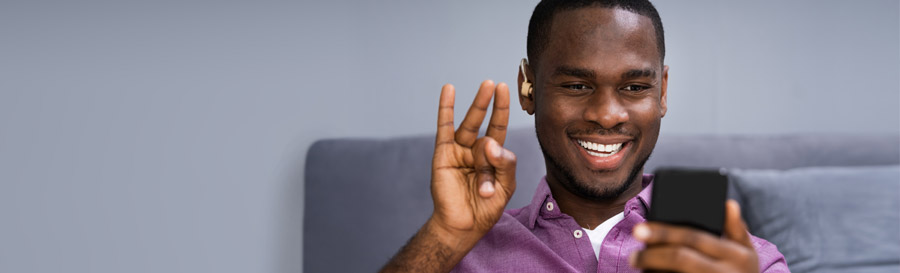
{"x":169,"y":136}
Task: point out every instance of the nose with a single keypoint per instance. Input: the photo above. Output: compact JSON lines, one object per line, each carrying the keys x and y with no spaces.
{"x":606,"y":109}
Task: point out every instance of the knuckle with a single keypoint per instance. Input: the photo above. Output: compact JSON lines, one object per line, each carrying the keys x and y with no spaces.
{"x":463,"y":142}
{"x":467,"y":128}
{"x":678,"y":255}
{"x":443,"y":148}
{"x":690,"y":238}
{"x":745,"y":256}
{"x":444,"y":142}
{"x":682,"y":259}
{"x":659,"y":234}
{"x":498,"y":127}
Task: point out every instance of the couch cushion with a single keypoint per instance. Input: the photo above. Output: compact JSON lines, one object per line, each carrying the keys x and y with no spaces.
{"x":825,"y":219}
{"x":779,"y":152}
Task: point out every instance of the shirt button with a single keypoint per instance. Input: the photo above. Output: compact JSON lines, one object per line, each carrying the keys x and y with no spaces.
{"x":578,"y":233}
{"x":549,"y":206}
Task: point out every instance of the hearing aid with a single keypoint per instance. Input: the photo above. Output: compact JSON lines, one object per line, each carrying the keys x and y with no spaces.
{"x":526,"y":85}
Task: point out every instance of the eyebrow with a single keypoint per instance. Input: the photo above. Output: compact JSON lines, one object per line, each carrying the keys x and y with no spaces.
{"x":639,"y":73}
{"x":574,"y":72}
{"x":587,"y":73}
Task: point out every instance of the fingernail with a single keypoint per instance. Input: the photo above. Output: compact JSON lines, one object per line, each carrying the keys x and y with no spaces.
{"x":487,"y":188}
{"x":641,"y":232}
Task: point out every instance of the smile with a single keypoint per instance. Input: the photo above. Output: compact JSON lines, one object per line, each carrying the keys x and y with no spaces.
{"x":600,"y":150}
{"x":603,"y":152}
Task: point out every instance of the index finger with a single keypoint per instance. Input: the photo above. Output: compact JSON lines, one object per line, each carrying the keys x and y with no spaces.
{"x":445,"y":116}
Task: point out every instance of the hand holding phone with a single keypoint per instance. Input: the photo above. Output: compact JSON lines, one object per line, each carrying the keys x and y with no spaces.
{"x":688,"y":216}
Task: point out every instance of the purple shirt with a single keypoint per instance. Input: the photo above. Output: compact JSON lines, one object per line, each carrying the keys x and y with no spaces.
{"x":540,"y":238}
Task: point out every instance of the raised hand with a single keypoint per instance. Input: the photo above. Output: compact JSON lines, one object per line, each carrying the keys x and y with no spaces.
{"x":472,"y":178}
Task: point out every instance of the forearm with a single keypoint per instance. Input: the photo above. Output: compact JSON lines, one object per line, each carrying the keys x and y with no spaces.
{"x":432,"y":249}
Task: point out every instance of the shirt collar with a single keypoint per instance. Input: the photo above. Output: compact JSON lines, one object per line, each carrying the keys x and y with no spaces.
{"x":543,"y":204}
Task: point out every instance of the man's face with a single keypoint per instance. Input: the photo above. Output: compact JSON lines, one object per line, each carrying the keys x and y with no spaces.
{"x":598,"y":100}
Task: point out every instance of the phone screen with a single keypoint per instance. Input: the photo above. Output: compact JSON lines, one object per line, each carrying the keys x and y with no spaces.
{"x":693,"y":198}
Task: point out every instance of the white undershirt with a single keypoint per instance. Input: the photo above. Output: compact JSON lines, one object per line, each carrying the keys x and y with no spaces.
{"x":599,"y":233}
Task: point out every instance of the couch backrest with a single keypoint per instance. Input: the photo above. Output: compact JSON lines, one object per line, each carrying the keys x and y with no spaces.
{"x":366,"y":197}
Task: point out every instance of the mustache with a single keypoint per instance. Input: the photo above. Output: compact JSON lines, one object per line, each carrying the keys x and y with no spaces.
{"x":615,"y":131}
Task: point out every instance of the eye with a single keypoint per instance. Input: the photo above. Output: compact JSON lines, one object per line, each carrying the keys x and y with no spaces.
{"x":578,"y":87}
{"x":635,"y":88}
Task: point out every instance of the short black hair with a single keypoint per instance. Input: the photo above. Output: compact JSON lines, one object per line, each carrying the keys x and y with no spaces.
{"x":539,"y":26}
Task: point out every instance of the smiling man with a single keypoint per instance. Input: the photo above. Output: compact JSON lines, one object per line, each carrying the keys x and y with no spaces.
{"x":596,"y":85}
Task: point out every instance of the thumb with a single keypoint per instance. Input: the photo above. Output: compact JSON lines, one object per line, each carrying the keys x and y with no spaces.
{"x":504,"y":163}
{"x":735,"y":228}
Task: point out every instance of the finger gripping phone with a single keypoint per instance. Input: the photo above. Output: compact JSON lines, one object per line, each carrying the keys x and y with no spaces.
{"x":693,"y":198}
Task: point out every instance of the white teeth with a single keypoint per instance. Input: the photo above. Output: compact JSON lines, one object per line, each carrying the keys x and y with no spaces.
{"x":601,"y":150}
{"x":598,"y":154}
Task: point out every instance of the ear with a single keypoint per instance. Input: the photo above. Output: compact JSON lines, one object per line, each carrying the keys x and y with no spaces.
{"x":663,"y":106}
{"x":527,"y":101}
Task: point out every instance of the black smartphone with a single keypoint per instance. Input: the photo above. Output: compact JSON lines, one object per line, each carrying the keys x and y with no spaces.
{"x":690,"y":197}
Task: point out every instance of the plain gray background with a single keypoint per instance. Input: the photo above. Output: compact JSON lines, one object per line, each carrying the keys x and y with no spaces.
{"x":169,"y":136}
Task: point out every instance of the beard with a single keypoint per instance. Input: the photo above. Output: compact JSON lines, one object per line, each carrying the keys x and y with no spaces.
{"x":586,"y":190}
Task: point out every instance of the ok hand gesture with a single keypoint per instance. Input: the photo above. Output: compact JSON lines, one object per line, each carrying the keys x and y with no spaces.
{"x":472,"y":178}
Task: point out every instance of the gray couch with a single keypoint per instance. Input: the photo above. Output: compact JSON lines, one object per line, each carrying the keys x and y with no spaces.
{"x":366,"y":197}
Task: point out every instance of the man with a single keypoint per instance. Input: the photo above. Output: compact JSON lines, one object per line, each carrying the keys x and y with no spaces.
{"x":596,"y":84}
